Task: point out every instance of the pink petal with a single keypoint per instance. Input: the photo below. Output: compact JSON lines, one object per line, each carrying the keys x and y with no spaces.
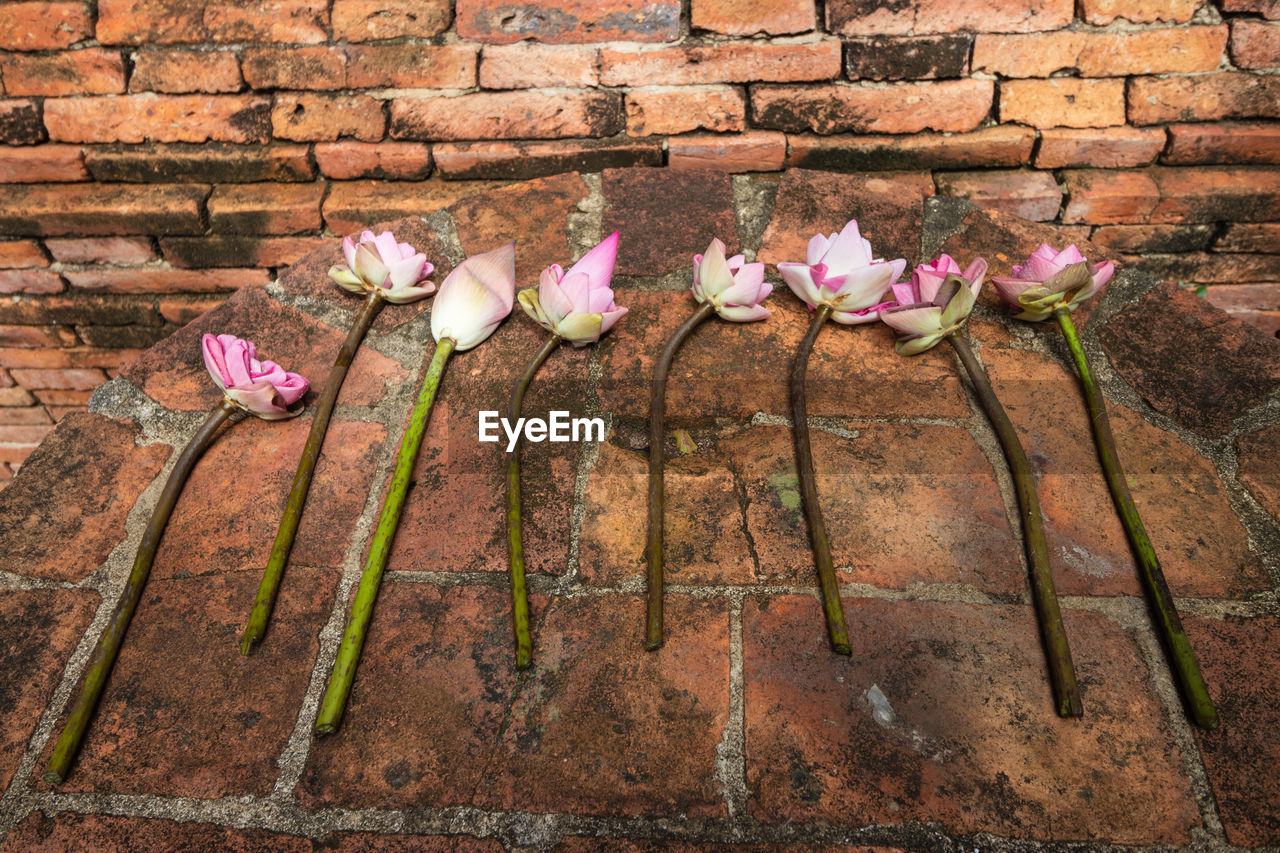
{"x":552,"y":298}
{"x":214,"y":360}
{"x":848,"y":251}
{"x":744,"y":313}
{"x":1010,"y":288}
{"x":349,"y":252}
{"x":598,"y":263}
{"x":610,"y":318}
{"x":387,"y":247}
{"x":237,"y":354}
{"x":405,"y":272}
{"x":799,"y":277}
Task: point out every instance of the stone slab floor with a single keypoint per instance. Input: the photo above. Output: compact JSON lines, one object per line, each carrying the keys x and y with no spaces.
{"x":937,"y":734}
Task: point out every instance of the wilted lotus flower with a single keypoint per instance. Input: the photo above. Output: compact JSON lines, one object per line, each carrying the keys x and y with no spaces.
{"x":1051,"y":280}
{"x":733,"y":287}
{"x":577,"y":305}
{"x":397,"y":272}
{"x":475,"y":298}
{"x":840,"y":271}
{"x":934,"y":303}
{"x":261,"y":387}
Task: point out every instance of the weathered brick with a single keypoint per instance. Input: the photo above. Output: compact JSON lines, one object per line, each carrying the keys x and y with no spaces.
{"x":101,"y":209}
{"x":30,"y":416}
{"x":147,"y":22}
{"x":220,"y":250}
{"x":948,"y":105}
{"x":892,"y":18}
{"x":1102,"y":54}
{"x":14,"y":396}
{"x":375,"y":20}
{"x":1211,"y":193}
{"x":43,"y":25}
{"x":924,"y":58}
{"x":1102,"y":12}
{"x":159,"y":118}
{"x":24,"y":434}
{"x":77,"y":309}
{"x":352,"y":206}
{"x":507,"y":115}
{"x":21,"y":254}
{"x":1029,"y":194}
{"x":388,"y":160}
{"x":90,"y":71}
{"x":101,"y":250}
{"x":1001,"y":145}
{"x":30,"y":281}
{"x":412,"y":66}
{"x":1204,"y":267}
{"x":1255,"y":452}
{"x":61,"y":397}
{"x":294,"y":67}
{"x":325,"y":118}
{"x":506,"y":160}
{"x":178,"y":71}
{"x":42,"y":164}
{"x":669,"y":215}
{"x":1224,"y":142}
{"x":753,"y":151}
{"x":1249,"y":237}
{"x":529,"y":65}
{"x":36,"y":336}
{"x":1063,"y":102}
{"x":183,"y":309}
{"x":37,"y":378}
{"x":265,"y":208}
{"x":208,"y":163}
{"x":20,"y":122}
{"x":69,"y":357}
{"x":1113,"y":148}
{"x":136,"y":338}
{"x":1207,"y":97}
{"x":734,"y":62}
{"x":666,"y":110}
{"x":155,"y":280}
{"x":1137,"y":239}
{"x":1269,"y":9}
{"x":1104,"y":197}
{"x":748,"y":17}
{"x":568,"y":21}
{"x":1255,"y":44}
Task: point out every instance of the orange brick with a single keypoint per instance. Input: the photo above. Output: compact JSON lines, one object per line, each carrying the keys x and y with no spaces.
{"x":159,"y":118}
{"x":748,"y":17}
{"x":948,"y":106}
{"x":1223,"y":142}
{"x":259,"y":209}
{"x":149,"y":22}
{"x":36,"y":337}
{"x":64,"y":397}
{"x":101,"y":209}
{"x":1102,"y":197}
{"x":1249,"y":237}
{"x":1211,"y":193}
{"x":101,"y":250}
{"x":91,"y":71}
{"x":531,"y":159}
{"x":1109,"y":54}
{"x":507,"y":115}
{"x":375,"y":20}
{"x":294,"y":67}
{"x":75,"y":379}
{"x":863,"y":18}
{"x":33,"y":415}
{"x":679,"y":109}
{"x":1063,"y":102}
{"x":1269,"y":9}
{"x":1103,"y":12}
{"x":42,"y":164}
{"x":180,"y":71}
{"x":741,"y":62}
{"x":29,"y":281}
{"x":412,"y":66}
{"x":1206,"y":97}
{"x":1112,"y":148}
{"x":568,"y":21}
{"x":528,"y":65}
{"x":183,"y":309}
{"x":20,"y":122}
{"x":69,"y":357}
{"x":355,"y":205}
{"x":13,"y":396}
{"x":394,"y":160}
{"x":21,"y":254}
{"x":1255,"y":44}
{"x":753,"y":151}
{"x":325,"y":118}
{"x":1000,"y":145}
{"x":43,"y":26}
{"x":1029,"y":194}
{"x":153,"y":280}
{"x":232,"y":250}
{"x":23,"y":434}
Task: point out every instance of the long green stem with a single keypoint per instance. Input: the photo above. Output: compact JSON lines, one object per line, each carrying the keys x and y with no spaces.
{"x":270,"y":585}
{"x":657,"y":438}
{"x":1165,"y":613}
{"x":837,"y":633}
{"x":107,"y":648}
{"x":515,"y":539}
{"x":344,"y":667}
{"x":1062,"y":673}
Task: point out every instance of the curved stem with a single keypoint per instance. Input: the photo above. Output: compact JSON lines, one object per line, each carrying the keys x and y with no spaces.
{"x":515,"y":539}
{"x":837,"y":633}
{"x":344,"y":667}
{"x":1062,"y":673}
{"x":107,"y":648}
{"x":270,"y":585}
{"x":1165,"y":613}
{"x":657,"y":437}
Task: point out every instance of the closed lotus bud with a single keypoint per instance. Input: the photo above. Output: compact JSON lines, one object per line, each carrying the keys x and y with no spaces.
{"x":475,"y":298}
{"x":577,"y":305}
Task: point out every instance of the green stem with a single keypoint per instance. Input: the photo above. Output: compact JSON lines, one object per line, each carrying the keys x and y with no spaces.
{"x":107,"y":648}
{"x":270,"y":585}
{"x":344,"y":667}
{"x":1165,"y":613}
{"x":1062,"y":673}
{"x":657,"y":437}
{"x":837,"y":633}
{"x":515,"y":539}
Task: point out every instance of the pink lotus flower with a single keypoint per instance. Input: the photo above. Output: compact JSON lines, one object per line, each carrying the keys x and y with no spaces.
{"x":475,"y":298}
{"x":1051,"y":280}
{"x":734,"y":288}
{"x":397,"y":272}
{"x":841,"y":272}
{"x":577,"y":305}
{"x":261,"y":387}
{"x":933,"y":304}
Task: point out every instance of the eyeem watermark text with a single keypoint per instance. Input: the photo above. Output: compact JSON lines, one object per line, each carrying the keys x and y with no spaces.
{"x":558,"y":426}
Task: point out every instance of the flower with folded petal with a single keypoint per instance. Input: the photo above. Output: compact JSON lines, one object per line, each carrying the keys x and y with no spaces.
{"x":475,"y":298}
{"x":396,"y":272}
{"x":934,"y":303}
{"x":1052,"y":280}
{"x":261,"y":387}
{"x":733,"y":287}
{"x":577,"y":305}
{"x":840,"y":271}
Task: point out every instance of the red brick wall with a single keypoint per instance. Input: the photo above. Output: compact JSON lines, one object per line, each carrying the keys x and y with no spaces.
{"x":161,"y":153}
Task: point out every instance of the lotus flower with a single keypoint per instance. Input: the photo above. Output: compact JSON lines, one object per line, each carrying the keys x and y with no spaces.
{"x":475,"y":298}
{"x":577,"y":305}
{"x":840,"y":271}
{"x":260,"y":387}
{"x":934,"y":303}
{"x":734,"y":288}
{"x":396,"y":272}
{"x":1051,"y":280}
